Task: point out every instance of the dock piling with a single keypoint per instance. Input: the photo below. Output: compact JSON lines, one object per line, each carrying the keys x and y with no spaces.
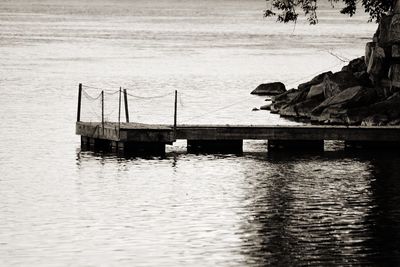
{"x":175,"y":112}
{"x":119,"y":112}
{"x":78,"y":114}
{"x":102,"y":110}
{"x":126,"y":105}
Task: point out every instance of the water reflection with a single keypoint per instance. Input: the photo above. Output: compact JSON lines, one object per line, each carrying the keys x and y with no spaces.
{"x":332,"y":208}
{"x":327,"y":210}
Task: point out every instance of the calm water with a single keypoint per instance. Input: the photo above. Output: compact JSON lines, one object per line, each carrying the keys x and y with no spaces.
{"x":60,"y":206}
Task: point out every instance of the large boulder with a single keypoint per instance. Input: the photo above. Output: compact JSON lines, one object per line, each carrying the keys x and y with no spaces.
{"x":394,"y":73}
{"x":350,"y":98}
{"x":316,"y":80}
{"x":266,"y":107}
{"x":274,"y":88}
{"x":394,"y":36}
{"x":300,"y":110}
{"x":336,"y":114}
{"x":369,"y":47}
{"x":338,"y":82}
{"x":356,"y":65}
{"x":396,"y":51}
{"x":286,"y":96}
{"x":282,"y":100}
{"x":385,"y":30}
{"x":388,"y":109}
{"x":377,"y":66}
{"x":316,"y":91}
{"x":396,"y":8}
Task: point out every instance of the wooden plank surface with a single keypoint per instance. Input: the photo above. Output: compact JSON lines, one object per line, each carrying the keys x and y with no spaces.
{"x":164,"y":133}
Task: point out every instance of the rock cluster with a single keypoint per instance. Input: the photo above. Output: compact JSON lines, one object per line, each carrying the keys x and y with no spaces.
{"x":365,"y":92}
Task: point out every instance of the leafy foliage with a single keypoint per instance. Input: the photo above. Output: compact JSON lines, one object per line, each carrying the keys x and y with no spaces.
{"x":288,"y":9}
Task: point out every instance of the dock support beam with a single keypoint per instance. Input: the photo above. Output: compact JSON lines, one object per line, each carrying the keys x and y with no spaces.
{"x":94,"y":144}
{"x":215,"y":146}
{"x":370,"y":145}
{"x":123,"y":148}
{"x":296,"y":145}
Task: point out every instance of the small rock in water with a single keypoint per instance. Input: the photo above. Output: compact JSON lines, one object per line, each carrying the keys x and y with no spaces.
{"x":266,"y":107}
{"x":274,"y":88}
{"x":255,"y":109}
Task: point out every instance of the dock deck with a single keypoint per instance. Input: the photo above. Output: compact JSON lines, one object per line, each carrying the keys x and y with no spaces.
{"x":149,"y":136}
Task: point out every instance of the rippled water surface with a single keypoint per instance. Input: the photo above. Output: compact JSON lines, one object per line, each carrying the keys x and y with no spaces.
{"x":60,"y":206}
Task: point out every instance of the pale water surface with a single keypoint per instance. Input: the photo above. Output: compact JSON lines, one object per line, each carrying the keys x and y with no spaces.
{"x":60,"y":206}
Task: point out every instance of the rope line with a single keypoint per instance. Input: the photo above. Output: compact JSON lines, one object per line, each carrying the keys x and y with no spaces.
{"x":91,"y":97}
{"x":218,"y":109}
{"x":149,"y":97}
{"x":97,"y":88}
{"x":182,"y":96}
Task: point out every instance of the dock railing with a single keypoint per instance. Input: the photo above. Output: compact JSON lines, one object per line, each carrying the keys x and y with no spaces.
{"x":93,"y":108}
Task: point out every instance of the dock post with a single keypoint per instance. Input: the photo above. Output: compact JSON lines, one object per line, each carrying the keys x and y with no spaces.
{"x":78,"y":114}
{"x":126,"y":105}
{"x":175,"y":112}
{"x":102,"y":110}
{"x":119,"y":113}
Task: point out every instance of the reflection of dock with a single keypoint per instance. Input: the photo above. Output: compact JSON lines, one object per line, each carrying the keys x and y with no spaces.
{"x":136,"y":137}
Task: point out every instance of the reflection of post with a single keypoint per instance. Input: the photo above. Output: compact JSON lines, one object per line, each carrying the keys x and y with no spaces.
{"x":78,"y":114}
{"x":126,"y":106}
{"x":175,"y":111}
{"x":102,"y":110}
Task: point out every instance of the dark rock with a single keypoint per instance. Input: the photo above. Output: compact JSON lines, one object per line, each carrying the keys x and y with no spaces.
{"x":266,"y":107}
{"x":394,"y":73}
{"x":395,"y":122}
{"x":255,"y":109}
{"x":316,"y":91}
{"x":336,"y":114}
{"x":375,"y":120}
{"x":288,"y":111}
{"x":338,"y":82}
{"x":385,"y":30}
{"x":305,"y":108}
{"x":369,"y":47}
{"x":356,"y":65}
{"x":282,"y":100}
{"x":388,"y":107}
{"x":352,"y":97}
{"x":286,"y":96}
{"x":274,"y":88}
{"x":363,"y":78}
{"x":396,"y":8}
{"x":377,"y":64}
{"x":394,"y":36}
{"x":300,"y":110}
{"x":316,"y":80}
{"x":300,"y":97}
{"x":383,"y":89}
{"x":396,"y":51}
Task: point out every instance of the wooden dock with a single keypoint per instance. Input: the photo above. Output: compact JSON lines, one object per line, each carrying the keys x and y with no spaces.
{"x":147,"y":138}
{"x":128,"y":137}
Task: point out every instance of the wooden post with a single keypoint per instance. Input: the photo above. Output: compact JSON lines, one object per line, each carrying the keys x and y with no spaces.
{"x":175,"y":111}
{"x":102,"y":110}
{"x":78,"y":114}
{"x":119,"y":112}
{"x":126,"y":105}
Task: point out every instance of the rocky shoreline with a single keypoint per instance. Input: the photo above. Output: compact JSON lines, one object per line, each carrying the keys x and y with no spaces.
{"x":365,"y":92}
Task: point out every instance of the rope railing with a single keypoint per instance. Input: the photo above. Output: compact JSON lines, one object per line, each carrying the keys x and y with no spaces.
{"x":105,"y":104}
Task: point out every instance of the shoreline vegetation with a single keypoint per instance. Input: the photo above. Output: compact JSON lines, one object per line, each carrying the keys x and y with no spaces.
{"x":365,"y":92}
